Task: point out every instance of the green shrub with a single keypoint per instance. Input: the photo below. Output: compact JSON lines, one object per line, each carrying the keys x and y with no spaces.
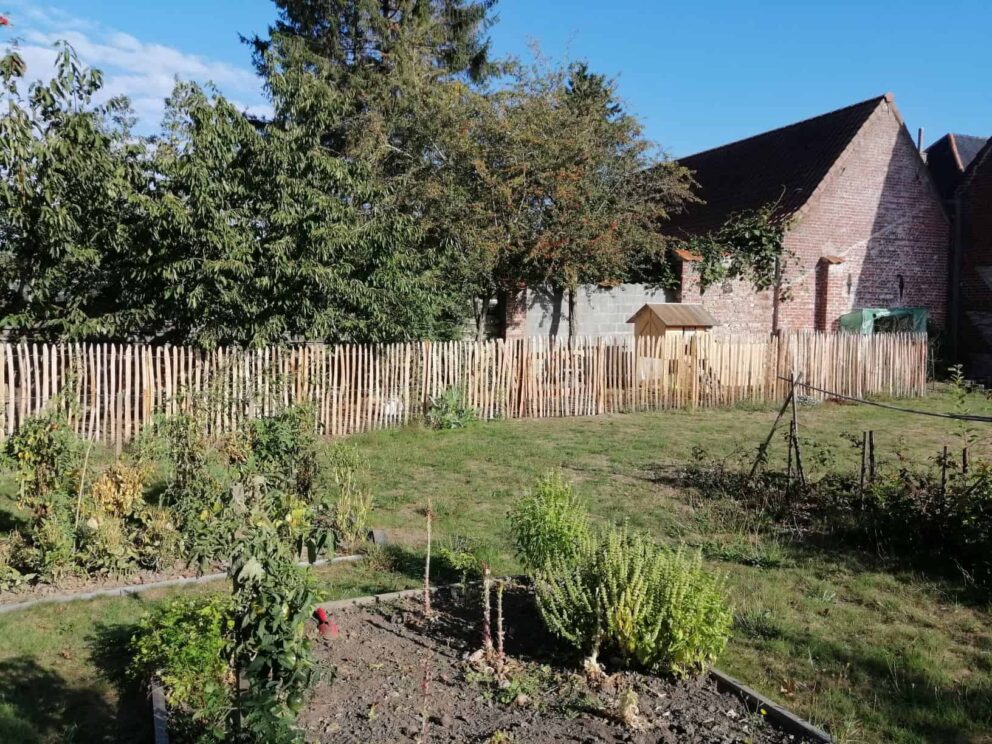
{"x":12,"y":547}
{"x":284,"y":448}
{"x":449,"y":410}
{"x":462,"y":558}
{"x":199,"y":499}
{"x":186,"y":644}
{"x":157,"y":542}
{"x":352,"y":499}
{"x":46,"y":456}
{"x":273,"y":599}
{"x":105,"y":547}
{"x":624,"y":595}
{"x":53,"y":548}
{"x":550,"y":521}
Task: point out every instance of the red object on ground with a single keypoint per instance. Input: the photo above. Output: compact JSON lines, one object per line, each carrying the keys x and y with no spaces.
{"x":325,"y":624}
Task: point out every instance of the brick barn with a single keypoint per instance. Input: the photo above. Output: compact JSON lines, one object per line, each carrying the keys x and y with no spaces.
{"x":971,"y":269}
{"x":867,"y":228}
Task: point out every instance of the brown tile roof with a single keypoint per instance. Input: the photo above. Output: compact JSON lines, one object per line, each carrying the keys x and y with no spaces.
{"x":784,"y":166}
{"x":982,"y":159}
{"x":949,"y":157}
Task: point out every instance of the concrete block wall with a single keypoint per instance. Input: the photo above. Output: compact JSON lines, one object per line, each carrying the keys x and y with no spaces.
{"x":600,"y":311}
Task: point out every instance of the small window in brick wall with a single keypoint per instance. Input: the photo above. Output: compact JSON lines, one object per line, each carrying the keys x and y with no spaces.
{"x":901,"y":283}
{"x":850,"y":282}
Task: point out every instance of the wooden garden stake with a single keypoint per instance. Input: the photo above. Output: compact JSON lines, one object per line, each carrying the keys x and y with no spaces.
{"x":943,"y":474}
{"x":795,"y":430}
{"x":964,"y":461}
{"x":864,"y":466}
{"x":871,"y":456}
{"x":82,"y":485}
{"x":500,"y":633}
{"x":487,"y":635}
{"x":788,"y":471}
{"x":763,"y":447}
{"x":427,"y":564}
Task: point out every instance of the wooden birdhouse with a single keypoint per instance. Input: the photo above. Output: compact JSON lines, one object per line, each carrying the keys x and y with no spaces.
{"x":660,"y":319}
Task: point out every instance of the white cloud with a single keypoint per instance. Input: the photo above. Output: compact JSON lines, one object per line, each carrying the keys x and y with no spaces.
{"x":144,"y":71}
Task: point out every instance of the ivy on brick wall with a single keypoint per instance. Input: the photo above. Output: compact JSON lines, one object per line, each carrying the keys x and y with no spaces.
{"x":749,"y":246}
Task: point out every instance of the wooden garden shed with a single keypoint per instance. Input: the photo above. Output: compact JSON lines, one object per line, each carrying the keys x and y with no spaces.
{"x":657,"y":319}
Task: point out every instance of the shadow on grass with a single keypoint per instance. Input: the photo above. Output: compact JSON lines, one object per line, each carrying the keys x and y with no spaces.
{"x":110,"y":654}
{"x":908,"y":692}
{"x":812,"y":537}
{"x":454,"y":558}
{"x":9,"y":521}
{"x":37,"y":704}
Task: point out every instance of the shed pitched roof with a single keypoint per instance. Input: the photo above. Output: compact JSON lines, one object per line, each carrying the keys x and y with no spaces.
{"x":677,"y":314}
{"x":783,"y":166}
{"x":949,"y":157}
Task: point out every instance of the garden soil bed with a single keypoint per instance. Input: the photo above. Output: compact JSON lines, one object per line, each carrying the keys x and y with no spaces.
{"x":373,"y":672}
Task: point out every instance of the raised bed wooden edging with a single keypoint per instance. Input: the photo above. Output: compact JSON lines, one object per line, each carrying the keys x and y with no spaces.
{"x":781,"y":717}
{"x":121,"y":591}
{"x":160,"y":714}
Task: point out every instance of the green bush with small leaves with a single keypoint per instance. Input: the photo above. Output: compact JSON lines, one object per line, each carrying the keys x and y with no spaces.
{"x":549,"y":522}
{"x":450,"y":411}
{"x":186,"y":644}
{"x":46,"y":456}
{"x":622,"y":594}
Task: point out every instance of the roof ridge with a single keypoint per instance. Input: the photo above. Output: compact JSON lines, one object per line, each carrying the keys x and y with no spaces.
{"x":875,"y":99}
{"x":975,"y":164}
{"x":953,"y":139}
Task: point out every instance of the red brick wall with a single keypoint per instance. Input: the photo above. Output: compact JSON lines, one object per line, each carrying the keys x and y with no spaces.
{"x":877,"y":210}
{"x":735,"y":304}
{"x":976,"y":272}
{"x":515,"y":320}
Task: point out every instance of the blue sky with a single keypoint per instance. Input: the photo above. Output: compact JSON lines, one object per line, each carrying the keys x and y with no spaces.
{"x":698,"y":73}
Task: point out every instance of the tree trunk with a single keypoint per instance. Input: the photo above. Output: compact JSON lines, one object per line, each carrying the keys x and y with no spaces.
{"x":480,"y":307}
{"x":572,"y":320}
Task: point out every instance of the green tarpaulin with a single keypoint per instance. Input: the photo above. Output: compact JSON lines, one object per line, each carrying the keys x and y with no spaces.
{"x":885,"y":320}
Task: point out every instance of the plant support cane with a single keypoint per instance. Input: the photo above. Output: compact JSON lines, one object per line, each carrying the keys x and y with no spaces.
{"x":487,"y":635}
{"x":427,"y":565}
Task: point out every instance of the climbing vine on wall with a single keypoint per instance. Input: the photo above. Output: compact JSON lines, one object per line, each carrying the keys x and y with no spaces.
{"x":749,"y":246}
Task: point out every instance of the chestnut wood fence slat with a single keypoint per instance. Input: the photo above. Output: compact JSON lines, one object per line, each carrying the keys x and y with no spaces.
{"x":111,"y":390}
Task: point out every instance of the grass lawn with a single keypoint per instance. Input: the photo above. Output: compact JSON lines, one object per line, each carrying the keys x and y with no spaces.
{"x":869,"y":649}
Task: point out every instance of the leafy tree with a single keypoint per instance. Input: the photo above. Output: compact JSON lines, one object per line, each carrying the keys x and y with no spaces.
{"x":265,"y":234}
{"x":403,"y":75}
{"x":70,"y":173}
{"x":549,"y":182}
{"x":361,"y":35}
{"x":608,"y":192}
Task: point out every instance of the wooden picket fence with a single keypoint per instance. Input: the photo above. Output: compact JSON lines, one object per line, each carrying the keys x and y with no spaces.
{"x":111,"y":390}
